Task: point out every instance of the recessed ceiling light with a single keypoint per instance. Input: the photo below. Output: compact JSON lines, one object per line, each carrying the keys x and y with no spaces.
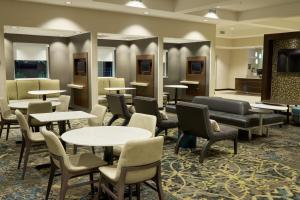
{"x":136,"y":4}
{"x":146,"y":13}
{"x":68,"y":2}
{"x":218,"y":6}
{"x":212,"y":14}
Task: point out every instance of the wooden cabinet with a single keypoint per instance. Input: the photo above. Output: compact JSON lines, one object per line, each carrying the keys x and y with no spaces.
{"x":248,"y":85}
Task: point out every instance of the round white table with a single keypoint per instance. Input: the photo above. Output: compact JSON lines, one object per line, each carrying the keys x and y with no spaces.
{"x":44,"y":93}
{"x":119,"y":88}
{"x":23,"y":105}
{"x":105,"y":136}
{"x":176,"y":87}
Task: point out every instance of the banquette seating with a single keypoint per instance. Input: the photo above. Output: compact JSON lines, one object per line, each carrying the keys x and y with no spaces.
{"x":236,"y":113}
{"x":107,"y":82}
{"x":18,"y":89}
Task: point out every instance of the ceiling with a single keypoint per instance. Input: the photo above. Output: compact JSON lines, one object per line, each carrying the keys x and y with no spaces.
{"x":238,"y":18}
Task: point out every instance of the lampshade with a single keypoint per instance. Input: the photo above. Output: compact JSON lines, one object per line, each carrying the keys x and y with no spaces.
{"x":212,"y":14}
{"x":136,"y":4}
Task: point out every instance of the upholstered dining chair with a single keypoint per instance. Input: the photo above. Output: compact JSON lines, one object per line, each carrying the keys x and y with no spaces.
{"x":138,"y":120}
{"x":8,"y":118}
{"x":29,"y":139}
{"x":194,"y":120}
{"x":148,"y":105}
{"x":70,"y":166}
{"x":64,"y":106}
{"x":118,"y":108}
{"x":140,"y":161}
{"x":38,"y":107}
{"x":99,"y":111}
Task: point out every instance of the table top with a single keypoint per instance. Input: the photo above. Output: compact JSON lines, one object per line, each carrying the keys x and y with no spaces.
{"x":261,"y":111}
{"x":176,"y":86}
{"x":269,"y":107}
{"x":45,"y":92}
{"x":104,"y":136}
{"x":61,"y":116}
{"x":24,"y":104}
{"x":119,"y":88}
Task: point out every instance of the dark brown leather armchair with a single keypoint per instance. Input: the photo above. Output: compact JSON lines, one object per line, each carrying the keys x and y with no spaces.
{"x":149,"y":106}
{"x":194,"y":120}
{"x":117,"y":106}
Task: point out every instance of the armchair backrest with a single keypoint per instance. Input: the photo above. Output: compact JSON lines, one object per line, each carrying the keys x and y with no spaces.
{"x":99,"y":111}
{"x":147,"y":105}
{"x":26,"y":132}
{"x":64,"y":103}
{"x":140,"y":153}
{"x":117,"y":105}
{"x":193,"y":119}
{"x":117,"y":82}
{"x":143,"y":121}
{"x":38,"y":107}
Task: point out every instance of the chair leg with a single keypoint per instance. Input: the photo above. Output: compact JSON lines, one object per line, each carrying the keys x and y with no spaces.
{"x":158,"y":184}
{"x":92,"y":184}
{"x":1,"y":128}
{"x":69,"y":124}
{"x":100,"y":193}
{"x":138,"y":191}
{"x":21,"y":153}
{"x":205,"y":148}
{"x":178,"y":143}
{"x":27,"y":152}
{"x":50,"y":181}
{"x":93,"y":150}
{"x":63,"y":188}
{"x":166,"y":132}
{"x":125,"y":122}
{"x":7,"y":131}
{"x":157,"y":132}
{"x":75,"y":149}
{"x":130,"y":192}
{"x":120,"y":192}
{"x":235,"y":145}
{"x":114,"y":118}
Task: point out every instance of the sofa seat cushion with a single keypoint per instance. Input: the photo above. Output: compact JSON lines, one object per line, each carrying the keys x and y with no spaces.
{"x":23,"y":86}
{"x":48,"y":84}
{"x":243,"y":121}
{"x":273,"y":119}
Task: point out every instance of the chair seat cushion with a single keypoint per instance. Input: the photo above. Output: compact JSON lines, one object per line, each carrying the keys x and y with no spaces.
{"x":273,"y":118}
{"x":225,"y":133}
{"x":10,"y":117}
{"x":169,"y":123}
{"x":85,"y":161}
{"x":110,"y":172}
{"x":37,"y":137}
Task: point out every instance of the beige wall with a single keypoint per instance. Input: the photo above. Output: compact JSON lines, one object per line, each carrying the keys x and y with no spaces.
{"x":231,"y":64}
{"x":239,"y":43}
{"x":94,"y":21}
{"x":2,"y":65}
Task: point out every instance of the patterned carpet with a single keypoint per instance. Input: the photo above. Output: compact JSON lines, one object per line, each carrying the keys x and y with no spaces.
{"x":265,"y":168}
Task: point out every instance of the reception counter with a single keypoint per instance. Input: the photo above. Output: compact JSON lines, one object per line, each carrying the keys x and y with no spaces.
{"x":248,"y":85}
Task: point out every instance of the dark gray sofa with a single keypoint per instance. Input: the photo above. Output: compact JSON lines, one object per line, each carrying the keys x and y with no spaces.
{"x":236,"y":113}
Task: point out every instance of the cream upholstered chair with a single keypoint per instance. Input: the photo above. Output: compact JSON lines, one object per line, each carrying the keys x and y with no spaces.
{"x":71,"y":166}
{"x":28,"y":140}
{"x":139,"y":162}
{"x":99,"y":111}
{"x":7,"y":117}
{"x":139,"y":120}
{"x":64,"y":106}
{"x":38,"y":107}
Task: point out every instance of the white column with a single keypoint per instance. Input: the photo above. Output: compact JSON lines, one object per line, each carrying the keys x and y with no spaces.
{"x":2,"y":65}
{"x":94,"y":70}
{"x":159,"y":74}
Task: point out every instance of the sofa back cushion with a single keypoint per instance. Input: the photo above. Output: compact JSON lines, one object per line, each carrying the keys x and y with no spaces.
{"x":103,"y":82}
{"x":224,"y":105}
{"x":23,"y":86}
{"x":48,"y":84}
{"x":11,"y":90}
{"x":117,"y":82}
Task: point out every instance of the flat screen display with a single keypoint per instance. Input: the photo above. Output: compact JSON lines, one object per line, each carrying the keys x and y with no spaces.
{"x":80,"y":66}
{"x":196,"y":67}
{"x":145,"y":66}
{"x":288,"y":60}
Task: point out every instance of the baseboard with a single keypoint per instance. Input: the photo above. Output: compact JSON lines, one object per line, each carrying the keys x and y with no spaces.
{"x":224,"y":89}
